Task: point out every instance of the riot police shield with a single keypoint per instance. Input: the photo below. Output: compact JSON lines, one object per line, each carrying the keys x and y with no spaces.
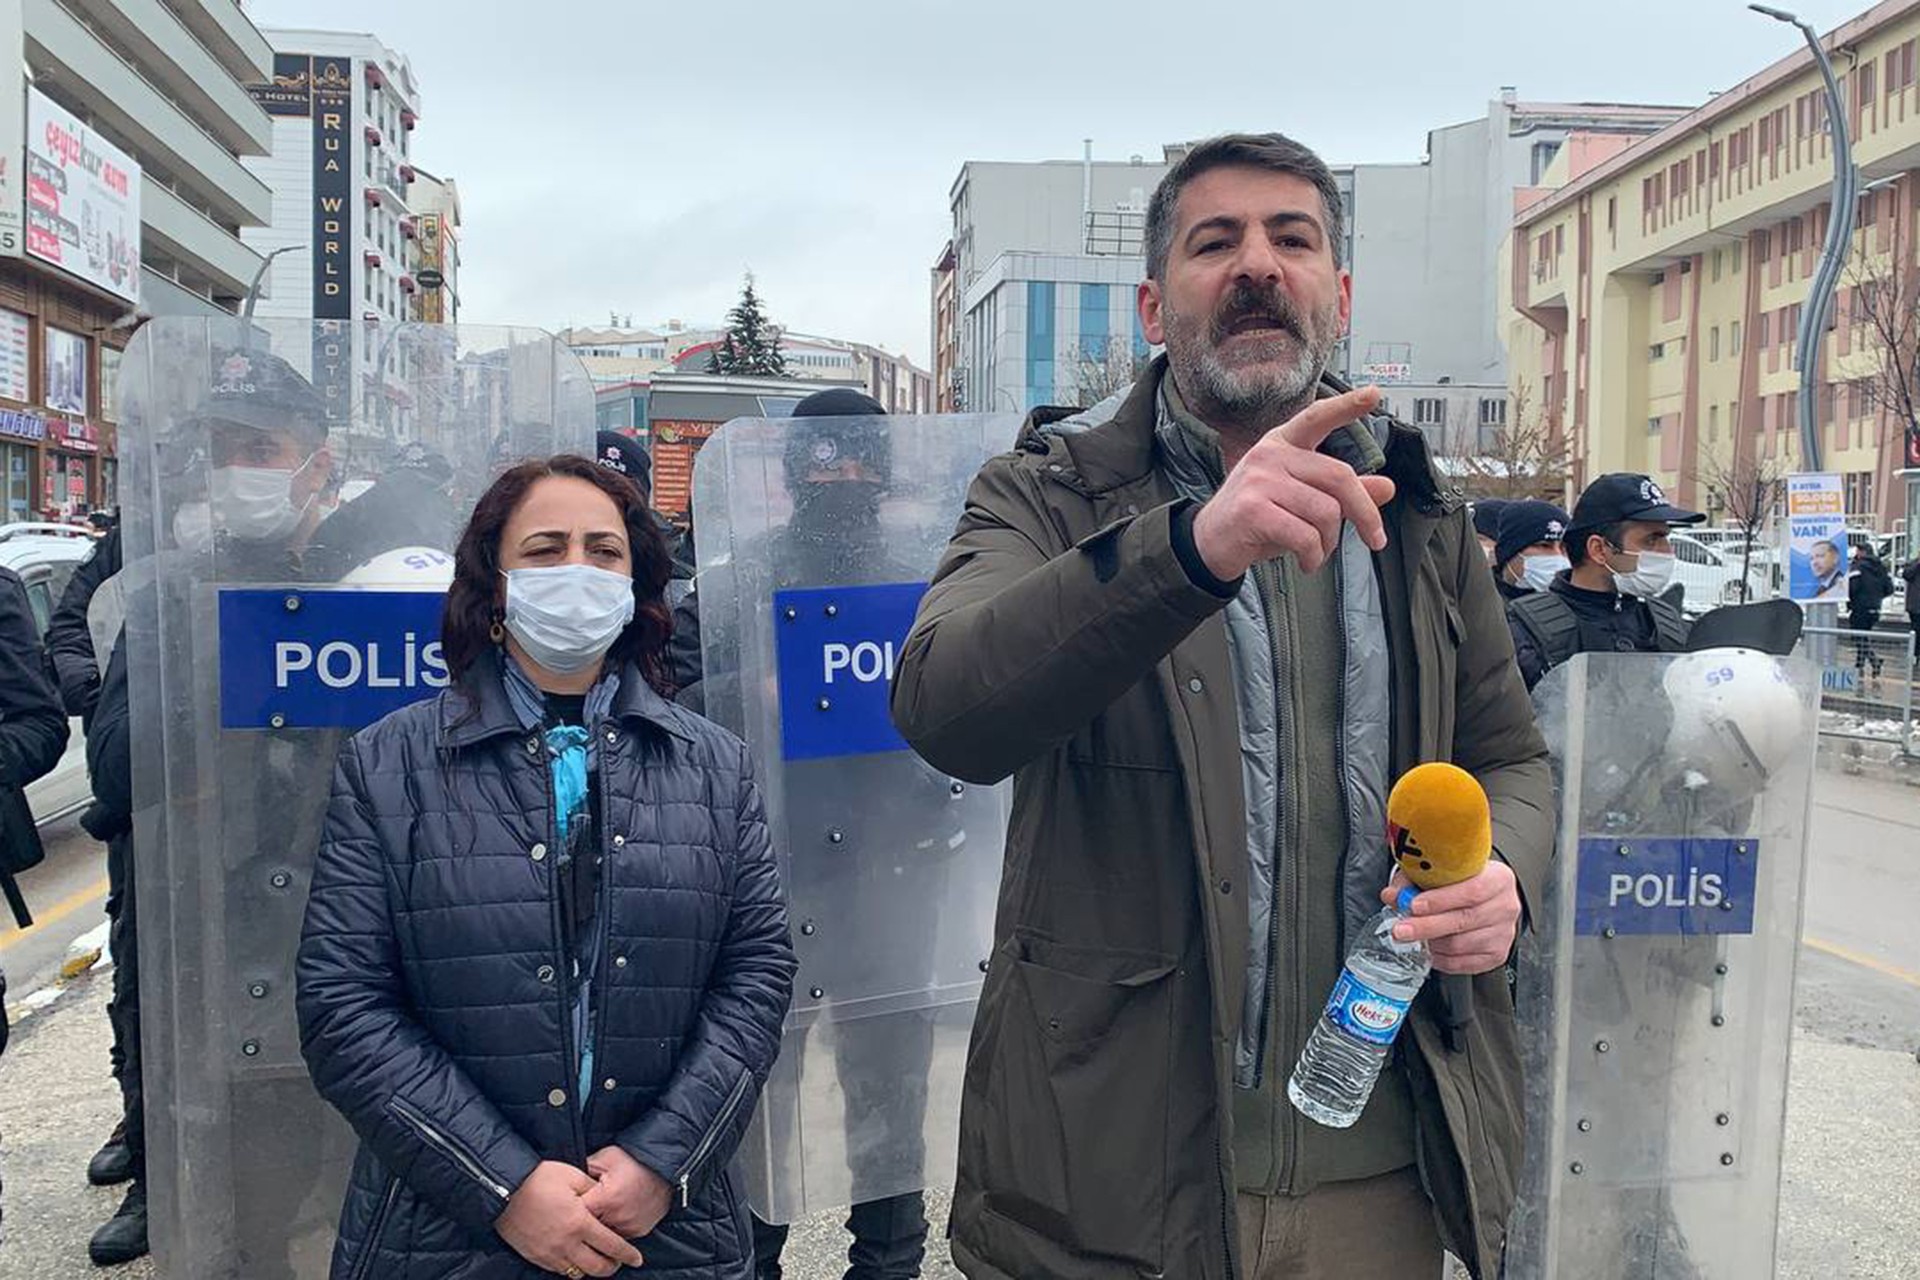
{"x":817,"y":537}
{"x":292,"y":493}
{"x":1656,"y":988}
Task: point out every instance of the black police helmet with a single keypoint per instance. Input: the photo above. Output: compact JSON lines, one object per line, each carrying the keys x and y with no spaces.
{"x":847,"y":427}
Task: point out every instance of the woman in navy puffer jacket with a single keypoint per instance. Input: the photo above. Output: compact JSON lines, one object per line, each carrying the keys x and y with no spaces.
{"x":546,"y":958}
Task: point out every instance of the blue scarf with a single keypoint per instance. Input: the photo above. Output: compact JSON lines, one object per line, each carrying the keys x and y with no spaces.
{"x":572,"y":754}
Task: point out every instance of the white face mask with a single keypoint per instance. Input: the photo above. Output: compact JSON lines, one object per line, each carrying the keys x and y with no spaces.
{"x":193,"y":526}
{"x":1652,"y":572}
{"x":1538,"y":572}
{"x":255,"y":504}
{"x":567,"y":616}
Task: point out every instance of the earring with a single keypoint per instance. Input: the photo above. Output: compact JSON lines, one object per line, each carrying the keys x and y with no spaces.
{"x":497,"y":633}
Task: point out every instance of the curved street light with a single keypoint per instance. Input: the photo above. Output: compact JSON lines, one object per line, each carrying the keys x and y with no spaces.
{"x":253,"y":290}
{"x":1833,"y":253}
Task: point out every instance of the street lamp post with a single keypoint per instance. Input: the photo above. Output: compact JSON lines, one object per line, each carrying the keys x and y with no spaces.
{"x":1833,"y":253}
{"x":253,"y":290}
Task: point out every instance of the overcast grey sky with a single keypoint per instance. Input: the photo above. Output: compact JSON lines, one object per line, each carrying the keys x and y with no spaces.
{"x":632,"y":156}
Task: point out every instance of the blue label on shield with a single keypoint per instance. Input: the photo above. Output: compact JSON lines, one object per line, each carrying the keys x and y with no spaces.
{"x":836,"y":648}
{"x":1666,"y":885}
{"x":326,"y":659}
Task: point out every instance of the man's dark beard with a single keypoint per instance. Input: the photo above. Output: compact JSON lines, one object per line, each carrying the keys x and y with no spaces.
{"x":1213,"y":388}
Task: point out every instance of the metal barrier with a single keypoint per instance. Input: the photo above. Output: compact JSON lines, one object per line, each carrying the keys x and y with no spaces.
{"x":1866,"y":684}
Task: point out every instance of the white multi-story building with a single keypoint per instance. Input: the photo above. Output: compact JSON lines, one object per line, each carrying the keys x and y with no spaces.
{"x":123,"y":194}
{"x":344,"y":108}
{"x":1039,"y":281}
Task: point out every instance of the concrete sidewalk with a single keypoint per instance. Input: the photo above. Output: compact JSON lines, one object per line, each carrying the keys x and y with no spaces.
{"x":1851,"y":1205}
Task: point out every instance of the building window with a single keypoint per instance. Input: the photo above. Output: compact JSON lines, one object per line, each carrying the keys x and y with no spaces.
{"x":1859,"y":493}
{"x":1713,"y":344}
{"x":1543,"y":154}
{"x":1429,"y":411}
{"x":1716,"y":266}
{"x":1657,"y":351}
{"x":1493,"y":411}
{"x":1766,"y":328}
{"x":1653,"y":426}
{"x":1733,"y":338}
{"x":1713,"y":422}
{"x":1040,"y":331}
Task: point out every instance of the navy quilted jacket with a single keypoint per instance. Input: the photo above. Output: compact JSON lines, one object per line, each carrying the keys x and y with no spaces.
{"x":433,"y":1003}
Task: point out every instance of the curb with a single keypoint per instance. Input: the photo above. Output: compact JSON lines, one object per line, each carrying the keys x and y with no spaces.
{"x":84,"y":954}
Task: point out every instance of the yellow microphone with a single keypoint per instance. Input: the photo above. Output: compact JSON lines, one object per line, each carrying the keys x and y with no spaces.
{"x":1440,"y":830}
{"x":1438,"y":825}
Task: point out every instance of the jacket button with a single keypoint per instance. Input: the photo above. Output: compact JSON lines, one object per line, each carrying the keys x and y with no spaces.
{"x":533,"y":746}
{"x":538,"y":852}
{"x":613,"y":735}
{"x":609,"y":1084}
{"x":545,"y":973}
{"x":557,"y":1098}
{"x":619,"y":842}
{"x":1196,"y":685}
{"x":619,"y":962}
{"x":1226,"y":886}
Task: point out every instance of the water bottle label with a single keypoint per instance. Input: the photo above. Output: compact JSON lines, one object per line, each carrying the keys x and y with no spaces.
{"x":1363,"y":1013}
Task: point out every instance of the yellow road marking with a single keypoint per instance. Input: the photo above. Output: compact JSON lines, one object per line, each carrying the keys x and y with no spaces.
{"x":58,"y":911}
{"x":1893,"y":971}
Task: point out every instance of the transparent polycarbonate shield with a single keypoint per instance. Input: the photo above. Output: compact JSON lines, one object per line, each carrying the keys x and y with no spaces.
{"x":292,"y":493}
{"x":817,"y":536}
{"x":1656,"y":989}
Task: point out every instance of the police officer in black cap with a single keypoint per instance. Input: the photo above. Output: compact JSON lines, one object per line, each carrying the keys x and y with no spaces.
{"x":626,"y":455}
{"x":1609,"y":600}
{"x":1527,"y":555}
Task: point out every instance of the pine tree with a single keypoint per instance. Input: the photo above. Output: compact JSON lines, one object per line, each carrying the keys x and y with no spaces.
{"x":752,"y":342}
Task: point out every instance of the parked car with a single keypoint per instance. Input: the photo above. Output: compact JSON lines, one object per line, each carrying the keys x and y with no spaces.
{"x":1712,"y":575}
{"x":45,"y":556}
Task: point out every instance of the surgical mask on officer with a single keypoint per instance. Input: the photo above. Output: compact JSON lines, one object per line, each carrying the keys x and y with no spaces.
{"x":1651,"y":574}
{"x":1538,"y":572}
{"x":566,"y":616}
{"x":193,"y":526}
{"x":256,"y":504}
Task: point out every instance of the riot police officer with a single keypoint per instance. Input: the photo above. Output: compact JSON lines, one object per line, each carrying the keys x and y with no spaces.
{"x":1527,"y":554}
{"x":837,"y":466}
{"x":267,"y":465}
{"x":1610,"y":598}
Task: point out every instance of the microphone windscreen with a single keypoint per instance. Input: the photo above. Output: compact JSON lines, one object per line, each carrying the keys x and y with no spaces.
{"x":1438,"y":825}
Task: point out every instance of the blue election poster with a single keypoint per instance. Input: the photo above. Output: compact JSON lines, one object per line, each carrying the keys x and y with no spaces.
{"x":1816,"y":537}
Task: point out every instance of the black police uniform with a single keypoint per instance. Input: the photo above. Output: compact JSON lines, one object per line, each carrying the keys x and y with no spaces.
{"x":835,"y":538}
{"x":1551,"y":626}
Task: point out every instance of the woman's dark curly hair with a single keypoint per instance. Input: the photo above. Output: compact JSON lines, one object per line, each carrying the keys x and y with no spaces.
{"x":472,"y":607}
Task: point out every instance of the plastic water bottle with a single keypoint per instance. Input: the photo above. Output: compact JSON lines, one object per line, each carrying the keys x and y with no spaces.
{"x":1337,"y":1069}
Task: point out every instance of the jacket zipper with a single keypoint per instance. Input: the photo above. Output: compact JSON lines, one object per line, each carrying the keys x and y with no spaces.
{"x":604,"y":891}
{"x":1340,"y":756}
{"x":449,"y":1146}
{"x":1268,"y":575}
{"x":563,"y":984}
{"x":712,"y":1136}
{"x":364,"y":1267}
